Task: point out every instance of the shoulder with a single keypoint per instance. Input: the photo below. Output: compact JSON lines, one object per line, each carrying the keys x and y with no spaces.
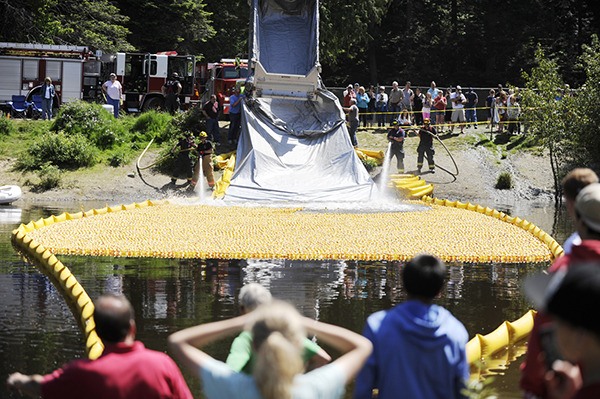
{"x":325,"y":382}
{"x":375,"y":320}
{"x":454,"y":327}
{"x":219,"y":380}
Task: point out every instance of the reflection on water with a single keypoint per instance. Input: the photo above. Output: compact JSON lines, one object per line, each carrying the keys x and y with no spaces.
{"x":38,"y":332}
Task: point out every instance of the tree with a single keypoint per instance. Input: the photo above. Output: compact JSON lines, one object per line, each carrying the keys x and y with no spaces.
{"x":164,"y":25}
{"x":94,"y":23}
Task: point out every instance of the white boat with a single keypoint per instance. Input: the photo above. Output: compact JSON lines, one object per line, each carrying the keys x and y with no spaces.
{"x":9,"y":194}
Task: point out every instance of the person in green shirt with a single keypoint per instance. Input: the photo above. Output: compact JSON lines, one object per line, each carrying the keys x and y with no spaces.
{"x":240,"y":356}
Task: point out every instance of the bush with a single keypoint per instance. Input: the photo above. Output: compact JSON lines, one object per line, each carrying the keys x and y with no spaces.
{"x":504,"y":181}
{"x":191,"y":120}
{"x":118,"y":158}
{"x":49,"y":177}
{"x":369,"y":163}
{"x":6,"y":126}
{"x":150,"y":124}
{"x":61,"y":150}
{"x":91,"y":121}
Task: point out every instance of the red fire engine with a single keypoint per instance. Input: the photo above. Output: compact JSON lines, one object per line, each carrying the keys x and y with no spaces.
{"x":220,"y":78}
{"x":78,"y":74}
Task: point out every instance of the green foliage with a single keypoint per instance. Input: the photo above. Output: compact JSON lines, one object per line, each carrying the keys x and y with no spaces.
{"x":369,"y":163}
{"x":191,"y":120}
{"x":6,"y":126}
{"x":504,"y":181}
{"x":50,"y":177}
{"x":91,"y":121}
{"x":150,"y":124}
{"x":118,"y":158}
{"x":61,"y":150}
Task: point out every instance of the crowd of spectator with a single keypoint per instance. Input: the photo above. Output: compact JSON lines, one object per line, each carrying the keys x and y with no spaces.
{"x":446,"y":108}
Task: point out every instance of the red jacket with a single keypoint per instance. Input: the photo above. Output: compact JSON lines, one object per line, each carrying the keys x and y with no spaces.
{"x":533,"y":368}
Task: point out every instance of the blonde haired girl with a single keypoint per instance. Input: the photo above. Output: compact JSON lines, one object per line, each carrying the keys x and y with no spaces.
{"x":278,"y":332}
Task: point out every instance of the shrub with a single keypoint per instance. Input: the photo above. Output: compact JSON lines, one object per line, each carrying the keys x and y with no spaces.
{"x":118,"y":158}
{"x":6,"y":126}
{"x":61,"y":150}
{"x":191,"y":120}
{"x":91,"y":121}
{"x":504,"y":181}
{"x":369,"y":163}
{"x":150,"y":124}
{"x":49,"y":177}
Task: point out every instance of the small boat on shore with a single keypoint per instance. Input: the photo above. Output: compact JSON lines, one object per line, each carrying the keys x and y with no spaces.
{"x":9,"y":194}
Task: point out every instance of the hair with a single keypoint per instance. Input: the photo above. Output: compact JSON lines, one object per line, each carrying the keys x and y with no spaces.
{"x":576,"y":180}
{"x":278,"y":335}
{"x":423,"y":276}
{"x":48,"y":79}
{"x":113,"y":315}
{"x":253,"y":295}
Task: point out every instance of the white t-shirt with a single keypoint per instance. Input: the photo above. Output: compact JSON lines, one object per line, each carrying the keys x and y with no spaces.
{"x":219,"y":381}
{"x":457,"y":95}
{"x":113,"y":89}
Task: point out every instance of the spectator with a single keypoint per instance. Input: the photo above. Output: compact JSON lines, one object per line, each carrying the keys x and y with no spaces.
{"x":439,"y":104}
{"x":362,"y":102}
{"x":212,"y":110}
{"x":490,"y":105}
{"x":427,"y":107}
{"x":278,"y":332}
{"x":433,"y":91}
{"x":449,"y":106}
{"x":587,"y":222}
{"x":418,"y":347}
{"x":125,"y":370}
{"x":396,"y":137}
{"x":48,"y":92}
{"x":471,"y":107}
{"x":571,"y":297}
{"x":407,"y":98}
{"x":372,"y":99}
{"x":501,"y":110}
{"x":458,"y":109}
{"x":418,"y":106}
{"x":425,"y":147}
{"x":395,"y":98}
{"x":349,"y":94}
{"x":113,"y":90}
{"x":353,"y":121}
{"x":513,"y":112}
{"x":235,"y":116}
{"x":240,"y":356}
{"x":381,"y":106}
{"x":572,"y":184}
{"x":171,"y":90}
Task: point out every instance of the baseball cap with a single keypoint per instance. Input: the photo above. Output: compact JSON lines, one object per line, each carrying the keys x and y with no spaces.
{"x":426,"y":120}
{"x":394,"y":122}
{"x":458,"y":87}
{"x":570,"y":294}
{"x":587,"y":206}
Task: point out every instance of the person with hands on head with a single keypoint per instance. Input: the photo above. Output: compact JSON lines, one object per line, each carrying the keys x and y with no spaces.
{"x":278,"y":331}
{"x":240,"y":356}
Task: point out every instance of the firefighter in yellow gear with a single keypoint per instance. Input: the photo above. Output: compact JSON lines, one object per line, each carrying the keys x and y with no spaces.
{"x":205,"y":151}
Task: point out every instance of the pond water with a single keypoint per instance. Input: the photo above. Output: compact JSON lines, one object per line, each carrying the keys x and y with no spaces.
{"x":38,"y":333}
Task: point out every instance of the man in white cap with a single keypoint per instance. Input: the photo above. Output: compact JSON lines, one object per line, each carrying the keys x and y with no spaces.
{"x":458,"y":101}
{"x":571,"y":298}
{"x":587,"y":223}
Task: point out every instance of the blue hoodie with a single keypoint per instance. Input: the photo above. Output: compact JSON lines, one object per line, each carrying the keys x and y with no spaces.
{"x":418,"y":352}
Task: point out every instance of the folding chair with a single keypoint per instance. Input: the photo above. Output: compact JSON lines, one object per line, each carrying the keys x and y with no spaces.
{"x":18,"y":107}
{"x":36,"y":106}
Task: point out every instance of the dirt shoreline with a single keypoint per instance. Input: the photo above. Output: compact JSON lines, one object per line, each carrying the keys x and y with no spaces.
{"x":478,"y":171}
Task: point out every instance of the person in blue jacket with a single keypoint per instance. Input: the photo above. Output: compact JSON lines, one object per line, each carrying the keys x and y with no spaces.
{"x":418,"y":347}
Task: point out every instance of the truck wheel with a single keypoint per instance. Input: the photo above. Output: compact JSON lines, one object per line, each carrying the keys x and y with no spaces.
{"x":154,"y":103}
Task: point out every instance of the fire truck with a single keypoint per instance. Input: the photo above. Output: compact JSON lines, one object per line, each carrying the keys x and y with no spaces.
{"x":220,"y":78}
{"x":78,"y":74}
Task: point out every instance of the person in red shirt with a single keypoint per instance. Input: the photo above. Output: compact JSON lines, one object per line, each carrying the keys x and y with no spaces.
{"x":571,"y":296}
{"x":587,"y":222}
{"x":126,"y":369}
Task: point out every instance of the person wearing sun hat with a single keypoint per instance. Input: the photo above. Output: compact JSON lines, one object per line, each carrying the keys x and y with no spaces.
{"x":571,"y":297}
{"x":587,"y":223}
